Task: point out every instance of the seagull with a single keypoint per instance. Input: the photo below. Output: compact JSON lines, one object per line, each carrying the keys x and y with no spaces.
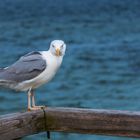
{"x":33,"y":70}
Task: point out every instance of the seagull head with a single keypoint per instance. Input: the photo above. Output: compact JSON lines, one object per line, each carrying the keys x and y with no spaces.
{"x":58,"y":48}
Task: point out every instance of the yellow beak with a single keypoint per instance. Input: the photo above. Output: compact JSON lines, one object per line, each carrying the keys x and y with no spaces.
{"x":57,"y":52}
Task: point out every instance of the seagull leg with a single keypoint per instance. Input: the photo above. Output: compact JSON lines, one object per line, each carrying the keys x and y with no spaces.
{"x":30,"y":94}
{"x":33,"y":102}
{"x":33,"y":99}
{"x":29,"y":100}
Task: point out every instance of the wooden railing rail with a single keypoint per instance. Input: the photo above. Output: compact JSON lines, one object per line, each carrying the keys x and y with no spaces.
{"x":71,"y":120}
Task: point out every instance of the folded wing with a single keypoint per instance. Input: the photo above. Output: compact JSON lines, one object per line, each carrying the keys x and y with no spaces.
{"x":26,"y":68}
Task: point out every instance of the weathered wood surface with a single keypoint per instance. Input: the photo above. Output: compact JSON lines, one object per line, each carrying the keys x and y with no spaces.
{"x":73,"y":120}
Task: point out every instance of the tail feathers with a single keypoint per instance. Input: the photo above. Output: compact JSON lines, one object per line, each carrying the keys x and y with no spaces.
{"x":4,"y":82}
{"x":7,"y":83}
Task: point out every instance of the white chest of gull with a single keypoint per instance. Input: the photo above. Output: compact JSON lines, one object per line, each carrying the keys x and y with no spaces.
{"x":33,"y":70}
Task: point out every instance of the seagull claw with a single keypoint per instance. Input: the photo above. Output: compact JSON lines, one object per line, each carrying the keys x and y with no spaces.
{"x":35,"y":108}
{"x":39,"y":107}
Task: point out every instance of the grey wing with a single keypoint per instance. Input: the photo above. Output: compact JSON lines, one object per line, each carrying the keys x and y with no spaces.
{"x":26,"y":68}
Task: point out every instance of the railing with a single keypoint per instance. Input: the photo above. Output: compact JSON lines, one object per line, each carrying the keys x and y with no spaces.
{"x":71,"y":120}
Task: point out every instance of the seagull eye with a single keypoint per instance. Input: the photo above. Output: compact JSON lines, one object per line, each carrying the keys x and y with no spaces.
{"x":53,"y":46}
{"x":61,"y":46}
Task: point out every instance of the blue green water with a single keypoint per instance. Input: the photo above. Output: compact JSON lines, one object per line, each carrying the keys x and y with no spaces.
{"x":101,"y":68}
